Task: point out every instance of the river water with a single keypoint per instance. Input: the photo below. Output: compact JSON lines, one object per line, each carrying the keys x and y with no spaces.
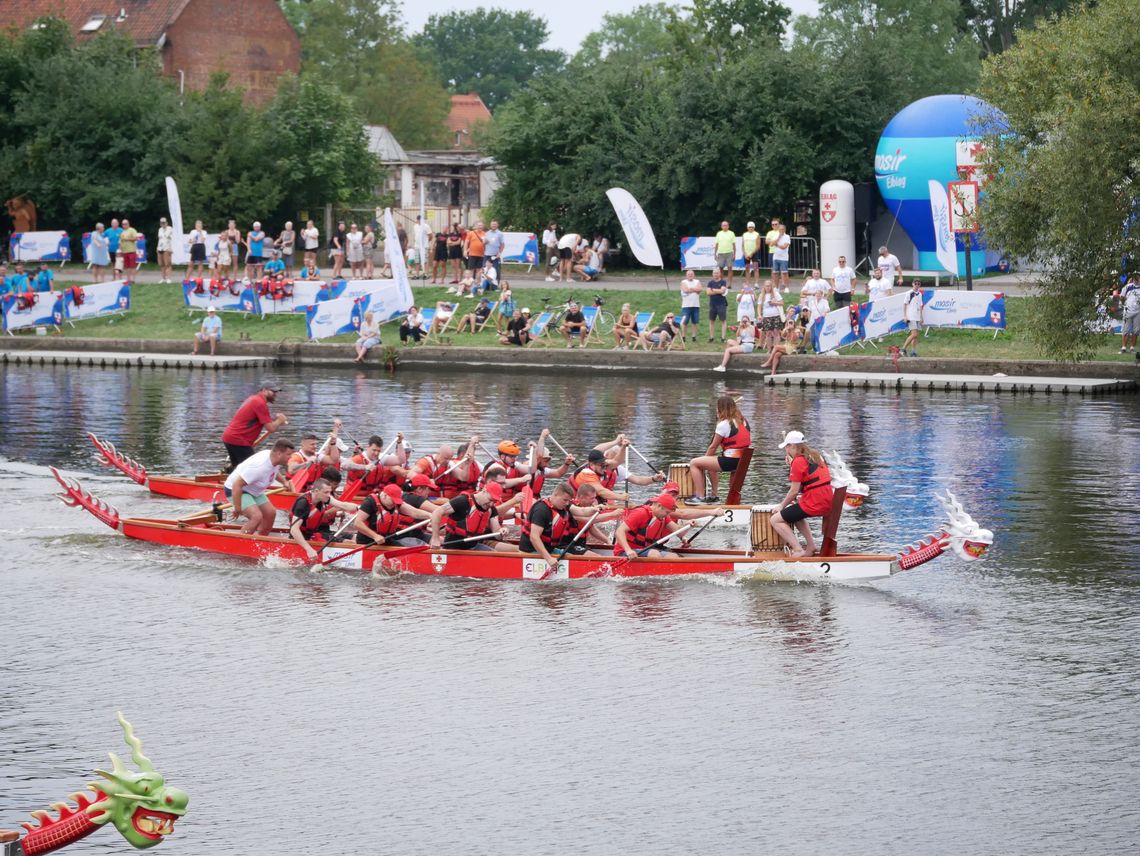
{"x":958,"y":708}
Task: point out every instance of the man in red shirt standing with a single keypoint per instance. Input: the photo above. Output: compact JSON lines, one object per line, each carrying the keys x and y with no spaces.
{"x":246,"y":427}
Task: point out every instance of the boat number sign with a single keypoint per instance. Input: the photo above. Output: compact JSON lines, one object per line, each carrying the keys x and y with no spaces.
{"x":538,"y":569}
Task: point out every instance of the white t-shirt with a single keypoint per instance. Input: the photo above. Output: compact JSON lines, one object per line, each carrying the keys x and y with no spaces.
{"x":549,"y":238}
{"x":746,"y":305}
{"x":568,"y":241}
{"x":878,"y":288}
{"x":912,"y":306}
{"x":1131,"y":294}
{"x":257,"y":471}
{"x":772,"y":304}
{"x":780,"y":250}
{"x":690,"y":300}
{"x":420,"y":231}
{"x":843,"y":278}
{"x":818,"y":307}
{"x":813,"y":287}
{"x":889,"y":265}
{"x":311,"y":237}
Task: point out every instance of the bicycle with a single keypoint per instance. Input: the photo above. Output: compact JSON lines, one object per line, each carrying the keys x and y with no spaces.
{"x":603,"y":323}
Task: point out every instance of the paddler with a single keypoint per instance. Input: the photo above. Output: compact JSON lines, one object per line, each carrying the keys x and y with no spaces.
{"x":374,"y":467}
{"x":384,"y":513}
{"x":582,"y":509}
{"x":466,"y":516}
{"x":250,"y":420}
{"x":247,"y":484}
{"x":313,"y":460}
{"x":810,"y":494}
{"x":419,"y":494}
{"x":462,"y":474}
{"x":517,"y":474}
{"x":645,"y":525}
{"x":313,"y":514}
{"x":542,"y":460}
{"x":435,"y":465}
{"x":731,"y":435}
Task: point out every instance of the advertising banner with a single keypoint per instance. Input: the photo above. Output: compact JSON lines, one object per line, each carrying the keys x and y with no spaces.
{"x":45,"y":312}
{"x":399,"y":268}
{"x":100,"y":298}
{"x":336,"y":317}
{"x":635,"y":225}
{"x":520,"y":247}
{"x":698,"y":253}
{"x":86,"y":240}
{"x":246,"y":300}
{"x":833,"y":330}
{"x":39,"y":247}
{"x":306,"y":292}
{"x":976,"y":309}
{"x":882,"y":317}
{"x":180,"y":250}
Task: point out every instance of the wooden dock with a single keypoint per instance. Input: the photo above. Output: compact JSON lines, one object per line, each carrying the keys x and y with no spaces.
{"x":118,"y":359}
{"x":1015,"y":384}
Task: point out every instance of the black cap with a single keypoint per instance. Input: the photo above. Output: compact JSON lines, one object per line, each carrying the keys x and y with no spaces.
{"x":269,"y":383}
{"x":596,"y":457}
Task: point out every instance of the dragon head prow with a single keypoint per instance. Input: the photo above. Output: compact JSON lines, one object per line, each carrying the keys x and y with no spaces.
{"x":841,"y":476}
{"x":967,"y":539}
{"x":140,"y":805}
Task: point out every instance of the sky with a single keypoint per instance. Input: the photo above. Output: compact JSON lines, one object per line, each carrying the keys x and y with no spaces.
{"x":568,"y":23}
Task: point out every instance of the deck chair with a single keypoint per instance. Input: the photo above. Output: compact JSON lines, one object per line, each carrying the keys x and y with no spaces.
{"x":428,"y":316}
{"x":590,"y":313}
{"x":441,"y":308}
{"x":539,"y":327}
{"x":487,"y":320}
{"x":643,"y":320}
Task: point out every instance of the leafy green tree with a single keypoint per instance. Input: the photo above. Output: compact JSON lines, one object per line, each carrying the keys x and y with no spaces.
{"x":641,"y":35}
{"x":995,"y":23}
{"x":360,"y":47}
{"x":489,"y":51}
{"x":1065,"y":163}
{"x":717,"y":28}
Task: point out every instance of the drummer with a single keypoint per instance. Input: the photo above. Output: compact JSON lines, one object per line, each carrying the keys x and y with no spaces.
{"x":730,"y":437}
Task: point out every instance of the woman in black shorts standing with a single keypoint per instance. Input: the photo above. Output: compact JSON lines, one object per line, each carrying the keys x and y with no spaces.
{"x":439,"y":257}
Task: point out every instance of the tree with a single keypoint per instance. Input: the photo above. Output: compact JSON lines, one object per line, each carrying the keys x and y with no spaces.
{"x":720,"y":27}
{"x":489,"y":51}
{"x":995,"y":23}
{"x":1064,"y":159}
{"x":360,"y":47}
{"x":641,"y":35}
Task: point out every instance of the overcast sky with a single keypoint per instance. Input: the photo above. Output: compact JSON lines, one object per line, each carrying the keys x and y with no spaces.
{"x":568,"y":23}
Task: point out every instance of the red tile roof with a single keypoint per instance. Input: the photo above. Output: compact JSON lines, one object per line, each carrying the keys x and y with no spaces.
{"x":145,"y":20}
{"x":466,"y":112}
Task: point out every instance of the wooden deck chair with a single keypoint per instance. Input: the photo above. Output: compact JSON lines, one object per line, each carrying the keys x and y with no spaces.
{"x":487,"y":320}
{"x":428,"y":316}
{"x":441,"y":308}
{"x":590,"y":313}
{"x":643,"y":320}
{"x":539,"y":328}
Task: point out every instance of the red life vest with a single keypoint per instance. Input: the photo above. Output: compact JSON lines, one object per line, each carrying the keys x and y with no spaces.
{"x":815,"y":489}
{"x":644,"y":528}
{"x":554,"y":534}
{"x":77,"y":295}
{"x":26,"y":300}
{"x":477,"y":522}
{"x":453,"y":484}
{"x":376,"y":478}
{"x":430,"y":468}
{"x":607,"y":479}
{"x":384,"y":522}
{"x":216,"y":287}
{"x":538,"y":480}
{"x":320,"y":516}
{"x":312,"y":472}
{"x":512,"y":473}
{"x":574,"y":525}
{"x":739,"y":437}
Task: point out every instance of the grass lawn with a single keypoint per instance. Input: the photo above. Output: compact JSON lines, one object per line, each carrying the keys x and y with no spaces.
{"x":158,"y":312}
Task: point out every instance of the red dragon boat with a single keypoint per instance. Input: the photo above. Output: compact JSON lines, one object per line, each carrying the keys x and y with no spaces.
{"x":961,"y":535}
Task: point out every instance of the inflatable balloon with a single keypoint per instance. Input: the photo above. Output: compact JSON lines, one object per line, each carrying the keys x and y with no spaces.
{"x":935,"y":139}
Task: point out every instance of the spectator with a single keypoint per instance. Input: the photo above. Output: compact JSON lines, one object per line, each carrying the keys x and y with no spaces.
{"x":724,"y":245}
{"x":663,"y":335}
{"x":336,"y":249}
{"x":421,"y":237}
{"x":443,"y":314}
{"x":772,"y":236}
{"x":518,"y":329}
{"x":44,"y":279}
{"x":369,"y":336}
{"x":476,"y":318}
{"x":746,"y":301}
{"x":211,"y":331}
{"x":223,"y":256}
{"x":255,"y":252}
{"x":1130,"y":315}
{"x":590,"y":266}
{"x":439,"y":258}
{"x":310,"y":271}
{"x":164,"y":247}
{"x":368,"y":247}
{"x":18,"y":281}
{"x":816,"y":307}
{"x":286,"y":244}
{"x":744,"y":343}
{"x":494,"y":242}
{"x":412,"y":326}
{"x":129,"y":250}
{"x":100,"y":253}
{"x":790,"y":339}
{"x":197,"y":240}
{"x":717,"y":290}
{"x":550,"y":242}
{"x":455,"y":253}
{"x":878,"y":286}
{"x":890,"y":266}
{"x":842,"y":283}
{"x":311,"y":242}
{"x":402,"y":237}
{"x":567,"y":244}
{"x":113,"y":245}
{"x":474,"y":247}
{"x":750,"y":245}
{"x":275,"y":267}
{"x":625,"y":329}
{"x":602,"y":248}
{"x":506,"y":308}
{"x":574,"y":324}
{"x":4,"y":287}
{"x":354,"y":250}
{"x":780,"y":252}
{"x":771,"y":314}
{"x":912,"y":312}
{"x":690,"y":303}
{"x":813,"y":285}
{"x":232,"y":250}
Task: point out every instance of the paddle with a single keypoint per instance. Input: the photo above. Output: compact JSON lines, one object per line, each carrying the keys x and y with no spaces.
{"x":353,"y":552}
{"x":216,"y":509}
{"x":648,"y":463}
{"x":528,"y":488}
{"x":353,"y":487}
{"x":625,"y":560}
{"x":395,"y":554}
{"x":300,"y":478}
{"x":685,"y":542}
{"x":550,"y":569}
{"x":348,"y":522}
{"x":561,"y":448}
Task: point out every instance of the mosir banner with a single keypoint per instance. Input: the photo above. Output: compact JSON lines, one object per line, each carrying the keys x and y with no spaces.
{"x":833,"y":330}
{"x":882,"y":317}
{"x":335,"y":317}
{"x":246,"y":299}
{"x":101,"y":298}
{"x":19,"y":313}
{"x":976,"y":309}
{"x":520,"y":247}
{"x":697,"y":253}
{"x":39,"y":247}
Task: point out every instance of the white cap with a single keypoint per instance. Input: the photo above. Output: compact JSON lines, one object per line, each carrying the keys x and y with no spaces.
{"x":211,"y":309}
{"x":792,"y":437}
{"x":525,"y":310}
{"x":751,"y":225}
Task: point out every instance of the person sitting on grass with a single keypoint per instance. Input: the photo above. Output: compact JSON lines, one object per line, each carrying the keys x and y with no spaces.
{"x":790,"y":339}
{"x":211,"y":331}
{"x":369,"y":337}
{"x":663,"y":336}
{"x":490,"y":278}
{"x":412,"y":326}
{"x":625,"y":329}
{"x":506,"y":308}
{"x":744,"y":343}
{"x":477,"y":318}
{"x":518,"y":329}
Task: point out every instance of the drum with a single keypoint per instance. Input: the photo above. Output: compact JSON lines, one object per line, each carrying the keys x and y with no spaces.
{"x":680,"y":474}
{"x":763,"y":536}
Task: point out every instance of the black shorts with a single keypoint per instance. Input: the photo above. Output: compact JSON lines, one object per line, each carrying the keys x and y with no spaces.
{"x":440,"y":254}
{"x":474,"y":262}
{"x":718,"y":310}
{"x":565,"y":253}
{"x":727,"y":464}
{"x":793,"y":513}
{"x":455,"y":252}
{"x":254,"y":260}
{"x":237,"y":453}
{"x":197,"y":252}
{"x":842,"y":299}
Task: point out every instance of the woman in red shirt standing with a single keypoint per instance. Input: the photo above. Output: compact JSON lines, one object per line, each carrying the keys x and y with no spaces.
{"x":809,"y":496}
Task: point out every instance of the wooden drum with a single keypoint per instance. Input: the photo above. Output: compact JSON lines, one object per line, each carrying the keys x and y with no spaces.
{"x":680,"y":474}
{"x":763,"y":536}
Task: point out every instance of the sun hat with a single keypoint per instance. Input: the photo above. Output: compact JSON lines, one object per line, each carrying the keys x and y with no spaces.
{"x":792,"y":437}
{"x":211,"y":309}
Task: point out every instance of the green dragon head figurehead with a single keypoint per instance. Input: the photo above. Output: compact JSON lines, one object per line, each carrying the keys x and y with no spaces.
{"x":140,"y":805}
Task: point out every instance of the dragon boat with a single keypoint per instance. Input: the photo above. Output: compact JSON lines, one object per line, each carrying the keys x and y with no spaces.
{"x":960,"y":534}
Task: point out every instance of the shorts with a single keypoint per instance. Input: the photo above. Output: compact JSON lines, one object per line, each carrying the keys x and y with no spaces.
{"x":660,"y":338}
{"x":440,"y":254}
{"x":1130,"y":326}
{"x":197,"y":252}
{"x":914,"y":325}
{"x":752,"y":262}
{"x":258,"y":498}
{"x":455,"y":252}
{"x":130,"y":261}
{"x":690,"y":315}
{"x":590,"y":271}
{"x":771,"y":323}
{"x":254,"y":260}
{"x":793,"y":513}
{"x":474,"y":262}
{"x":205,"y":337}
{"x":718,"y":309}
{"x":727,"y":464}
{"x":369,"y":343}
{"x":779,"y":265}
{"x":747,"y":347}
{"x":842,"y":299}
{"x":565,"y":253}
{"x":724,"y":261}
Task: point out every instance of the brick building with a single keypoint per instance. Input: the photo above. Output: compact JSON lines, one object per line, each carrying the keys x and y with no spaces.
{"x":250,"y":39}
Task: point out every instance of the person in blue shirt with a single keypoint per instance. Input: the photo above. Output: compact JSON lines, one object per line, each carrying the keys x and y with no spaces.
{"x":211,"y":331}
{"x":112,"y":236}
{"x":4,"y":288}
{"x":310,"y":272}
{"x":45,"y":279}
{"x":18,"y":281}
{"x":275,"y":267}
{"x":254,"y":252}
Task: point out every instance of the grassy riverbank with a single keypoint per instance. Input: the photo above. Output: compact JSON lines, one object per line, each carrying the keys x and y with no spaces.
{"x":158,"y":312}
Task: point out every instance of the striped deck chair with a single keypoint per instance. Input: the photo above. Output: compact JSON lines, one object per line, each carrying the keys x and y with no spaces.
{"x":590,"y":313}
{"x":442,"y":308}
{"x":487,"y":320}
{"x":539,"y":327}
